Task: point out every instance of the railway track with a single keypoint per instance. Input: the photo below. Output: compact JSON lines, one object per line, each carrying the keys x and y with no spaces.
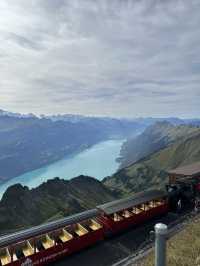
{"x":127,"y":248}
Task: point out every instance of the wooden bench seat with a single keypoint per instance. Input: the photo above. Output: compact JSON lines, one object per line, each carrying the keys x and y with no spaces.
{"x":151,"y":204}
{"x":5,"y":257}
{"x":27,"y":249}
{"x":117,"y":217}
{"x":80,"y":230}
{"x":146,"y":207}
{"x":159,"y":203}
{"x":136,"y":210}
{"x":65,"y":236}
{"x":94,"y":225}
{"x":127,"y":214}
{"x":47,"y":242}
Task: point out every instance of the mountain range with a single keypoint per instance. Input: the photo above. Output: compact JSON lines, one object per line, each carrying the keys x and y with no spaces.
{"x":21,"y":207}
{"x":166,"y":146}
{"x":154,"y":138}
{"x":30,"y":142}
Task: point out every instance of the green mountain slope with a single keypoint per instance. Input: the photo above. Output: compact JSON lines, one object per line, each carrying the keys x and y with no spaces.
{"x":150,"y":171}
{"x":21,"y":207}
{"x":154,"y":138}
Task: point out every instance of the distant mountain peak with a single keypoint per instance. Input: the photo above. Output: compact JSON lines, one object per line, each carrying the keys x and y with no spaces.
{"x":16,"y":115}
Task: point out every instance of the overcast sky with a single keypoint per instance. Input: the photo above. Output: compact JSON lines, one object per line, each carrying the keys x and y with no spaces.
{"x":100,"y":57}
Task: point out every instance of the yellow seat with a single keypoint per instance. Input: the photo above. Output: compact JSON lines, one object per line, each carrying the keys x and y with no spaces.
{"x":5,"y":257}
{"x":47,"y":242}
{"x":151,"y":204}
{"x":80,"y":230}
{"x":145,"y":207}
{"x":127,"y":214}
{"x":65,"y":236}
{"x":117,"y":217}
{"x":27,"y":249}
{"x":159,"y":203}
{"x":137,"y":210}
{"x":94,"y":225}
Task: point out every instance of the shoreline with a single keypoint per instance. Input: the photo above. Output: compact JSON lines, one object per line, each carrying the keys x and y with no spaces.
{"x":36,"y":177}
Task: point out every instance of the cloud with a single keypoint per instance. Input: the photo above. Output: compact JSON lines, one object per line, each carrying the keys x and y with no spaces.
{"x":24,"y":42}
{"x":100,"y":57}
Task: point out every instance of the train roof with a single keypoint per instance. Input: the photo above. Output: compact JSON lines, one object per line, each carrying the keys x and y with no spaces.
{"x":45,"y":228}
{"x":136,"y":199}
{"x":190,"y":170}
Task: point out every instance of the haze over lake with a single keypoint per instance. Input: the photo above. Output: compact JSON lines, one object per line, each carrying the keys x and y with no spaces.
{"x":98,"y":161}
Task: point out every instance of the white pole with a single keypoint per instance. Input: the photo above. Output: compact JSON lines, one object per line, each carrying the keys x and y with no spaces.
{"x":161,"y":231}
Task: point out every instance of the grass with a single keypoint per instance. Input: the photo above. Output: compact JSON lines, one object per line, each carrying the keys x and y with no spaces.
{"x":183,"y":249}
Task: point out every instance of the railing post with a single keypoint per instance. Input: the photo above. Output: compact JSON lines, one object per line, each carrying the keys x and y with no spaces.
{"x":160,"y":245}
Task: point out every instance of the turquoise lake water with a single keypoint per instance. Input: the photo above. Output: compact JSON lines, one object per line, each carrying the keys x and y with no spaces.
{"x":98,"y":161}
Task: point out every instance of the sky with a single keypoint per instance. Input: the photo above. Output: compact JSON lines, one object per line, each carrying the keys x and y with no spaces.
{"x":120,"y":58}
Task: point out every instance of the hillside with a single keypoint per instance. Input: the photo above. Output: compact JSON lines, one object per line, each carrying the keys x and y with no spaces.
{"x":28,"y":143}
{"x":150,"y":171}
{"x":21,"y":207}
{"x":154,"y":138}
{"x":182,"y":249}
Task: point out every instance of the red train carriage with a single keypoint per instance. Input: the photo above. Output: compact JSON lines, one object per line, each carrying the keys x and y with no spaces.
{"x":46,"y":243}
{"x":121,"y":214}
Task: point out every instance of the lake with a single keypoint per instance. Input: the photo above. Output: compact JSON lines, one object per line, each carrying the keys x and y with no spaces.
{"x":98,"y":161}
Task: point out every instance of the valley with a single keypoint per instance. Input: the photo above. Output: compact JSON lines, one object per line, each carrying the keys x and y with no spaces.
{"x":28,"y":143}
{"x":57,"y":197}
{"x":97,"y":161}
{"x":176,"y":146}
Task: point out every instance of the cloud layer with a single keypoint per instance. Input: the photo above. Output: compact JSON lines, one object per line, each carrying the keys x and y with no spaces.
{"x":99,"y":57}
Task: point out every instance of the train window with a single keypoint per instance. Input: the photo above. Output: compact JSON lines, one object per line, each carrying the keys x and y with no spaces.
{"x":80,"y":230}
{"x":47,"y":242}
{"x":65,"y":236}
{"x":5,"y":256}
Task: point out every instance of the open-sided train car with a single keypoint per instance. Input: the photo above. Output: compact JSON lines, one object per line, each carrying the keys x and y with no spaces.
{"x":46,"y":243}
{"x":43,"y":244}
{"x":121,"y":214}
